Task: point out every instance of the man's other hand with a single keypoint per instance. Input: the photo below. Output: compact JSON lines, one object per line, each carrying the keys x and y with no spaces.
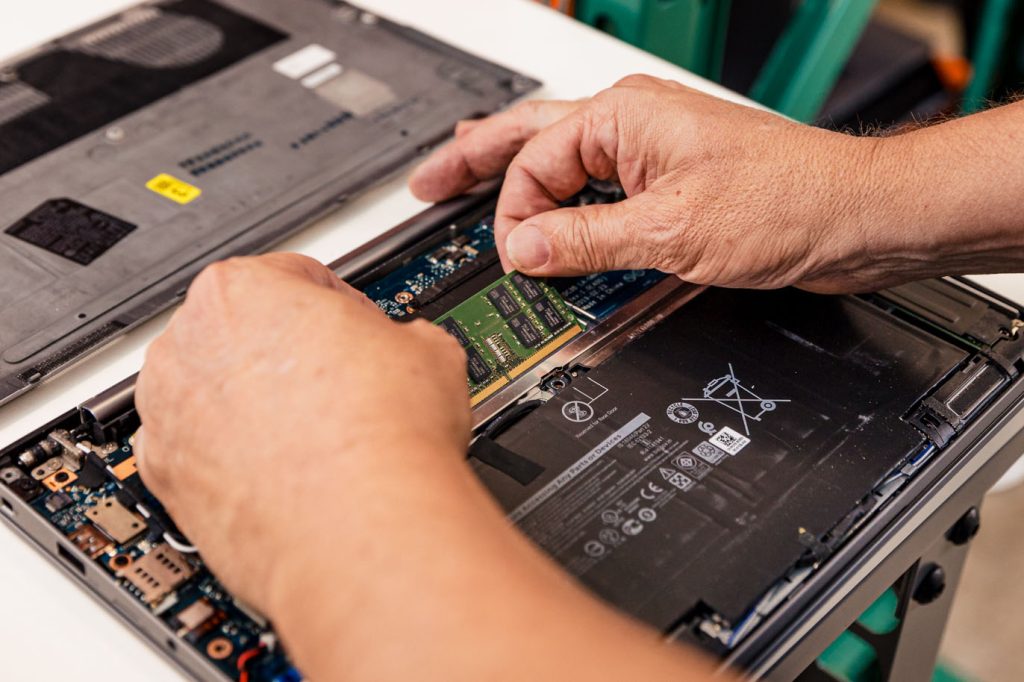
{"x":718,"y":193}
{"x":275,"y":384}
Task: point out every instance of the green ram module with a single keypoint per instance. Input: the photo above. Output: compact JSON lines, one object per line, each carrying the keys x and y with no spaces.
{"x":508,"y":328}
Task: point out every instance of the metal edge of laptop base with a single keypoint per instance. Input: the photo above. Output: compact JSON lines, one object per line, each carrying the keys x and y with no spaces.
{"x":796,"y":633}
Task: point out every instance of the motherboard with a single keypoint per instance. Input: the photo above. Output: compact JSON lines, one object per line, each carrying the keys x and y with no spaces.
{"x":91,"y":492}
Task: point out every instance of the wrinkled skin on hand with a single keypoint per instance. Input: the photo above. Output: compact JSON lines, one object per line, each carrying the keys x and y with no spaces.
{"x":718,"y":193}
{"x":273,"y":384}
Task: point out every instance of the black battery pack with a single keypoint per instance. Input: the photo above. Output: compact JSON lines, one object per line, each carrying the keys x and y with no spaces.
{"x":694,"y":468}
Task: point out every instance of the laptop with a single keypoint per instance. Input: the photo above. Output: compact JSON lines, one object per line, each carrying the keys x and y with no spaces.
{"x":714,"y":463}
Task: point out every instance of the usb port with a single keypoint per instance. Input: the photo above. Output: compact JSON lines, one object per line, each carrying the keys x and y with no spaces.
{"x":70,"y":559}
{"x":7,"y":507}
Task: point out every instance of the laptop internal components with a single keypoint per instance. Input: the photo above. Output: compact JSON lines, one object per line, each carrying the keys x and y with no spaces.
{"x":158,"y":573}
{"x":118,"y":527}
{"x":506,"y":323}
{"x":111,"y":517}
{"x":696,"y":470}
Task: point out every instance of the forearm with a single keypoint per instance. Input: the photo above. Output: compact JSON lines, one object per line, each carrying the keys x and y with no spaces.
{"x":442,"y":587}
{"x":954,"y":204}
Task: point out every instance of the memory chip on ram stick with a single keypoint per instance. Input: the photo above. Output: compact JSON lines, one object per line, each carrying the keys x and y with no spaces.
{"x":453,"y":328}
{"x":507,"y":328}
{"x":479,"y":371}
{"x":527,"y":286}
{"x":549,"y":315}
{"x":503,"y":301}
{"x":525,"y":331}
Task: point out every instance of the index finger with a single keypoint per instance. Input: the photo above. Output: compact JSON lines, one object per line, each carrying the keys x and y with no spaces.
{"x":552,"y":168}
{"x":483,"y":149}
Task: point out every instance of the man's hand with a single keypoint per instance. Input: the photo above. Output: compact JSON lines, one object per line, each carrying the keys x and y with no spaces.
{"x":275,"y":385}
{"x":315,"y":453}
{"x":726,"y":195}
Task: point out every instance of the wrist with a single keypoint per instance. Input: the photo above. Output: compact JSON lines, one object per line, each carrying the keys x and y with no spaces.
{"x":945,"y":202}
{"x":359,"y":527}
{"x":874,"y":214}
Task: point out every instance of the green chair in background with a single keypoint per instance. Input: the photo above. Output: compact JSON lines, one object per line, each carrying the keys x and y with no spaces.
{"x":998,"y":54}
{"x":800,"y":72}
{"x":690,"y":33}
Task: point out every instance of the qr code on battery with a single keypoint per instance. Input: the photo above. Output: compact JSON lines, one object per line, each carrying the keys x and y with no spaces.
{"x":708,"y":452}
{"x":729,"y":440}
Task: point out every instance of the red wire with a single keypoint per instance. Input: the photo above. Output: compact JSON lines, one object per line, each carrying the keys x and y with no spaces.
{"x":244,"y":659}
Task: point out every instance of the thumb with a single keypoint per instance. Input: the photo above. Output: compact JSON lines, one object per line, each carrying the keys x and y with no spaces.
{"x":584,"y":240}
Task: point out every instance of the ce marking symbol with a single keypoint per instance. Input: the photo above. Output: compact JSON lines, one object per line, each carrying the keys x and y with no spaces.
{"x":651,"y":491}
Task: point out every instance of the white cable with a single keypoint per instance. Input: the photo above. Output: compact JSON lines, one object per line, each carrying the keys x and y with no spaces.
{"x":178,"y":545}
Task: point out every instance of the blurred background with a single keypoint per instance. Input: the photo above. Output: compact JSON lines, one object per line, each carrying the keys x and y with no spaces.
{"x":865,"y":66}
{"x":847,"y":64}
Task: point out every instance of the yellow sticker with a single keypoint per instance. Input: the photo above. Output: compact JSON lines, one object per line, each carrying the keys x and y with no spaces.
{"x":174,"y":189}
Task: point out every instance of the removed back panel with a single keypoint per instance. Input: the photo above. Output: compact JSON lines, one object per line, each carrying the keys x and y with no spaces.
{"x":136,"y":151}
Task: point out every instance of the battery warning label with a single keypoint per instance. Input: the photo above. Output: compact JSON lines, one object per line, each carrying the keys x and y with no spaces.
{"x":578,"y":468}
{"x":610,"y":497}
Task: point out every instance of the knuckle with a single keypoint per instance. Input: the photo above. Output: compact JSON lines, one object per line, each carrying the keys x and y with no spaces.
{"x":215,"y":286}
{"x":604,"y":98}
{"x":217,"y":277}
{"x":634,"y":80}
{"x":578,"y":236}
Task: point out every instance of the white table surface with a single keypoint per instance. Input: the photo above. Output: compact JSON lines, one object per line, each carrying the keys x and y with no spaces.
{"x":49,"y":627}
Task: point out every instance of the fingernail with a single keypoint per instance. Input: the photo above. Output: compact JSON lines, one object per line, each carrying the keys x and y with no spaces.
{"x":528,"y":247}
